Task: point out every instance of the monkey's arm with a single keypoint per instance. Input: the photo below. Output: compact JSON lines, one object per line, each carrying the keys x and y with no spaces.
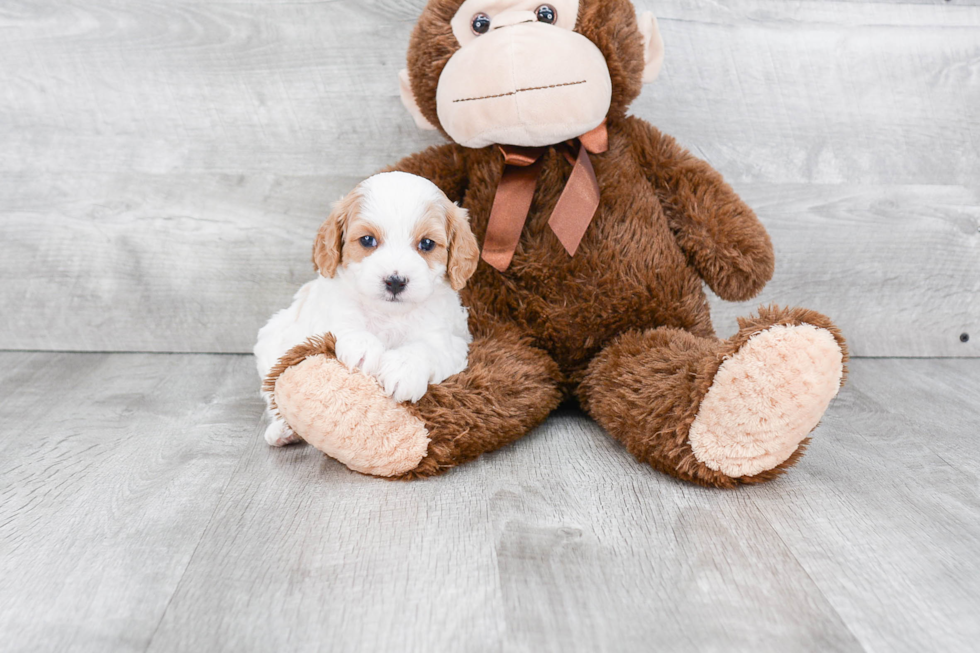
{"x":721,"y":236}
{"x":443,"y":165}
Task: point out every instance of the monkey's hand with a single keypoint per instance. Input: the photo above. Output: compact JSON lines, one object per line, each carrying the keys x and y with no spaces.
{"x":721,"y":236}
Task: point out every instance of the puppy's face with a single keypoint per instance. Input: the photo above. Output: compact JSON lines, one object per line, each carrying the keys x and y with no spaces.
{"x":397,"y":238}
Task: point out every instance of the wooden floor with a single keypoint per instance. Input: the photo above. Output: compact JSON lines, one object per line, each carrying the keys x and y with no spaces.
{"x":140,"y":510}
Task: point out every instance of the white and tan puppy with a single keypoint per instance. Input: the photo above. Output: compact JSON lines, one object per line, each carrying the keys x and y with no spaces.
{"x":391,"y":257}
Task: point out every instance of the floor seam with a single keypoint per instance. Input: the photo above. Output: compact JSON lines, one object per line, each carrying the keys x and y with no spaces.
{"x":204,"y":531}
{"x":806,"y":572}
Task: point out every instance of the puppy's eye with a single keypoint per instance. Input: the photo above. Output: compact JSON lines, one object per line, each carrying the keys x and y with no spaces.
{"x":427,"y":245}
{"x":370,"y":242}
{"x":547,"y":14}
{"x":481,"y":24}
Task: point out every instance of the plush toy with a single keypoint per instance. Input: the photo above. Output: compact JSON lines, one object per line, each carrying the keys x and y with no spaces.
{"x":598,"y":233}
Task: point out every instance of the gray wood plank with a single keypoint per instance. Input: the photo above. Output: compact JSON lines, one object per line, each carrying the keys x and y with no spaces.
{"x":815,"y":91}
{"x":194,"y":263}
{"x":164,"y":165}
{"x":110,"y":469}
{"x":883,"y":513}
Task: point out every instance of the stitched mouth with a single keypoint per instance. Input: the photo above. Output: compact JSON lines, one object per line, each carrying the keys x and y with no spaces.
{"x":520,"y":90}
{"x":523,"y":22}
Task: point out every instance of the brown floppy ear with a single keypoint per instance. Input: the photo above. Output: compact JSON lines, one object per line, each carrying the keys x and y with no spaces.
{"x":464,"y":252}
{"x":330,"y":238}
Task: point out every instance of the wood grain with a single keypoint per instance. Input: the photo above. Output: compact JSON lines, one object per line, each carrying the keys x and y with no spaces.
{"x":881,"y":515}
{"x":140,"y":510}
{"x":110,"y":469}
{"x":165,"y":164}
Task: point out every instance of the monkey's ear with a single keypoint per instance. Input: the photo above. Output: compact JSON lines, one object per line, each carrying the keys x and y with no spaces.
{"x":653,"y":46}
{"x":408,"y":99}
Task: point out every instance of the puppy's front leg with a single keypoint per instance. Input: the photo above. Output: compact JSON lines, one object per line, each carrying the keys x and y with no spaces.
{"x":405,"y":372}
{"x":449,"y":357}
{"x":360,"y":351}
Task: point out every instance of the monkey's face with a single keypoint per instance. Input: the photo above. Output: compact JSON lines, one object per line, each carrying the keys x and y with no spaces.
{"x":522,"y":76}
{"x":525,"y":72}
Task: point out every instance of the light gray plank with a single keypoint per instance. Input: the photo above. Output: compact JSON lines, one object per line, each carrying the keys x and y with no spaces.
{"x":110,"y":468}
{"x":165,"y":164}
{"x":192,"y":263}
{"x":304,"y":555}
{"x":883,"y":513}
{"x":815,"y":91}
{"x":950,"y":423}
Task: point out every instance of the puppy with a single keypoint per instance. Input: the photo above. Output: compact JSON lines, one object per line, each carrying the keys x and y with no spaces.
{"x":391,"y":257}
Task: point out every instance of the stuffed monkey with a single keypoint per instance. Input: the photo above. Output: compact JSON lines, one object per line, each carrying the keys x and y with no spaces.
{"x":598,"y":233}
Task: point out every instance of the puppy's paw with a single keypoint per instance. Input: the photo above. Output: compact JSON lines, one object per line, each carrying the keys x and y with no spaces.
{"x":404,"y":377}
{"x":360,"y":351}
{"x":279,"y":434}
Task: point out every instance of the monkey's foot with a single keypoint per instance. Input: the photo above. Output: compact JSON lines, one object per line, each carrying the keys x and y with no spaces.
{"x":347,"y":416}
{"x":766,"y":398}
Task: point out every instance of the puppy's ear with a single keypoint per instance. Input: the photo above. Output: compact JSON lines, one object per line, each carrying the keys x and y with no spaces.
{"x":464,"y":252}
{"x":330,"y":238}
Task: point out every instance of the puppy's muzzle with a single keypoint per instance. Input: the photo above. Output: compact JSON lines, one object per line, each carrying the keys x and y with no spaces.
{"x":395,"y":285}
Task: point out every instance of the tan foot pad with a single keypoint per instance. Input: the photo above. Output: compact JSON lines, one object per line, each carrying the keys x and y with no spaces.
{"x":347,"y":416}
{"x":766,"y":399}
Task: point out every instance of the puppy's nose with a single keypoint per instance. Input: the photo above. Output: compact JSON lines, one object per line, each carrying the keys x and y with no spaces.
{"x":395,"y":284}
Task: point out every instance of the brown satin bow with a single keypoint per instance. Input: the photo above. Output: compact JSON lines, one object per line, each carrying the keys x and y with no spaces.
{"x":575,"y":209}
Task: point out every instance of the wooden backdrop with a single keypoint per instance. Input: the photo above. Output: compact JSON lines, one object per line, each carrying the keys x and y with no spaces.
{"x":164,"y":164}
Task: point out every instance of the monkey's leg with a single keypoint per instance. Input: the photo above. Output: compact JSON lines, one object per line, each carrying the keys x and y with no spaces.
{"x":507,"y":389}
{"x":719,"y":412}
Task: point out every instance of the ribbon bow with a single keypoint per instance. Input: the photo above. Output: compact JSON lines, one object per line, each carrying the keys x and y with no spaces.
{"x":575,"y":209}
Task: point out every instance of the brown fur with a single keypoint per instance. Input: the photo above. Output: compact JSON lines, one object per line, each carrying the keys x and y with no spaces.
{"x":624,"y":324}
{"x":464,"y":251}
{"x":352,"y":250}
{"x":329,"y":244}
{"x":508,"y":388}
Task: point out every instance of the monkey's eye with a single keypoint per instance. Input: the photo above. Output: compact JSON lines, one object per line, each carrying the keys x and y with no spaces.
{"x":369,"y":242}
{"x":547,"y":14}
{"x":481,"y":24}
{"x":427,"y":245}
